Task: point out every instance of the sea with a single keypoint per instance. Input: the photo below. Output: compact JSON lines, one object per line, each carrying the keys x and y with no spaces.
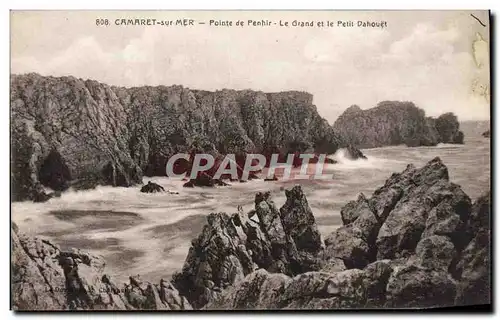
{"x":150,"y":234}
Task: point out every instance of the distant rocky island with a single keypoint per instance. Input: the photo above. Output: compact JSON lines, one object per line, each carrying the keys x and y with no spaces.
{"x":417,"y":241}
{"x":395,"y":123}
{"x":68,"y":132}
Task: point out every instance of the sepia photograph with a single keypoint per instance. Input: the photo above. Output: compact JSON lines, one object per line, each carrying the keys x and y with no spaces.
{"x":188,"y":160}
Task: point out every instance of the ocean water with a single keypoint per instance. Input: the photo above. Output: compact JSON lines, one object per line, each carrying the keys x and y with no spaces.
{"x":150,"y":234}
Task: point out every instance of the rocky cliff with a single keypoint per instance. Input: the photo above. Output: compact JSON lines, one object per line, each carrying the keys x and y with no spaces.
{"x":73,"y":132}
{"x":394,"y":123}
{"x":418,"y":241}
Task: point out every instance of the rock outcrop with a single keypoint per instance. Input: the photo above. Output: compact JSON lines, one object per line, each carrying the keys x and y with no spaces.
{"x":416,"y":242}
{"x":46,"y":278}
{"x":394,"y":123}
{"x":152,"y":187}
{"x":354,"y":153}
{"x":486,"y":134}
{"x":230,"y":247}
{"x":448,"y":129}
{"x":473,"y":268}
{"x":81,"y":133}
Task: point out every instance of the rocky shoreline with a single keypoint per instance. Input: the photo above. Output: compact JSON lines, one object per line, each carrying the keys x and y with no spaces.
{"x":418,"y":241}
{"x":68,"y":132}
{"x":395,"y":123}
{"x":82,"y":133}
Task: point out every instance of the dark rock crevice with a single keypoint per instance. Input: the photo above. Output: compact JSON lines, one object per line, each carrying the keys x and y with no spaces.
{"x":396,"y":249}
{"x":54,"y":173}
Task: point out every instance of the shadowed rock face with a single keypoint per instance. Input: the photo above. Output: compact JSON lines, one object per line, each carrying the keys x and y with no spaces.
{"x":416,"y":242}
{"x":394,"y":123}
{"x":231,"y":247}
{"x":447,"y":127}
{"x":67,"y":131}
{"x":152,"y":187}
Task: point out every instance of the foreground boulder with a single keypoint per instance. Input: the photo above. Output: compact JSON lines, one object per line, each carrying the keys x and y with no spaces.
{"x":273,"y":178}
{"x":46,"y":278}
{"x":230,"y":247}
{"x":204,"y":180}
{"x":152,"y":187}
{"x":379,"y":259}
{"x":473,"y":268}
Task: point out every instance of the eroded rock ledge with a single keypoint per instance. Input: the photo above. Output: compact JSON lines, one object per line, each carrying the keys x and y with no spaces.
{"x":418,"y":241}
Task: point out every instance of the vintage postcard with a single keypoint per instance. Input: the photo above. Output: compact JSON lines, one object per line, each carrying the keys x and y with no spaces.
{"x":239,"y":160}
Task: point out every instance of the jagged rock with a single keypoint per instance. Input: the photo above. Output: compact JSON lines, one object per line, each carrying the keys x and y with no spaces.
{"x":330,"y":161}
{"x":395,"y":123}
{"x":230,"y":247}
{"x":38,"y":281}
{"x":414,"y":286}
{"x":115,"y":134}
{"x":260,"y":290}
{"x":143,"y":295}
{"x":41,"y":196}
{"x":474,"y":272}
{"x":333,"y":264}
{"x":66,"y":128}
{"x":353,"y":153}
{"x":273,"y":178}
{"x":311,"y":290}
{"x":152,"y":187}
{"x":348,"y":243}
{"x":435,"y":252}
{"x":300,"y":227}
{"x":473,"y":268}
{"x":422,"y":267}
{"x":447,"y":126}
{"x":353,"y":209}
{"x":355,"y":243}
{"x":480,"y":216}
{"x":216,"y":259}
{"x":377,"y":259}
{"x":204,"y":180}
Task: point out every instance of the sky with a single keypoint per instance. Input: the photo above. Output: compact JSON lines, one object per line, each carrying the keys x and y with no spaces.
{"x":437,"y":59}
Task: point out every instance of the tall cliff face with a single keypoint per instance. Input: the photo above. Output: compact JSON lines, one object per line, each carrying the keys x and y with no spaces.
{"x":67,"y":131}
{"x":395,"y":122}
